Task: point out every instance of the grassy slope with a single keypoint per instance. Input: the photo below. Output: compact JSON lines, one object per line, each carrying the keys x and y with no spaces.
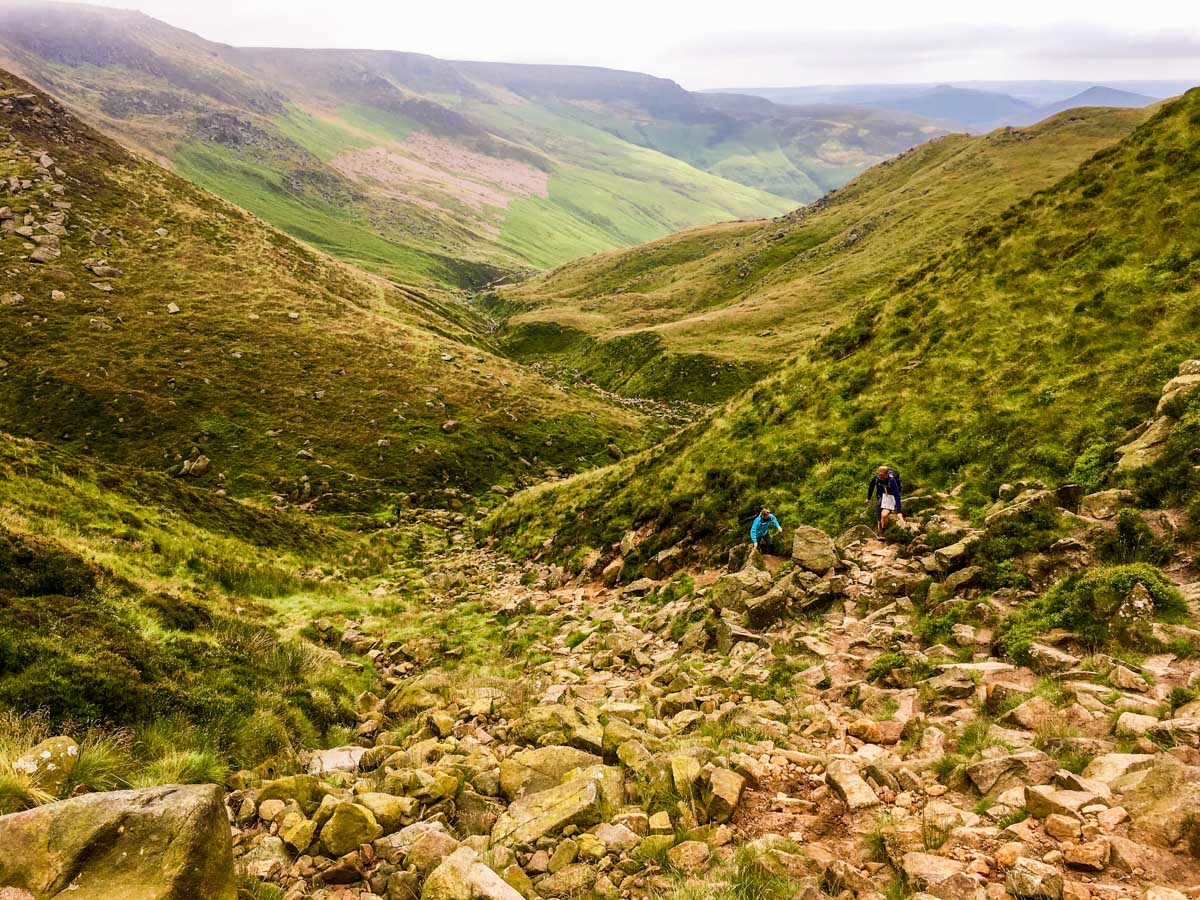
{"x":753,"y":292}
{"x":357,"y":381}
{"x":1031,"y":346}
{"x":609,"y":193}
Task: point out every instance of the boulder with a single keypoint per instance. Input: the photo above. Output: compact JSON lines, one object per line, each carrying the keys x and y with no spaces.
{"x":1032,"y":878}
{"x":531,"y":771}
{"x":1091,"y":855}
{"x":575,"y":880}
{"x":1046,"y":659}
{"x":611,"y":573}
{"x":1034,"y":713}
{"x":166,"y":843}
{"x":306,"y":790}
{"x":1163,"y":801}
{"x":689,"y":857}
{"x":1043,"y":801}
{"x":339,"y":759}
{"x":390,"y":811}
{"x":842,"y":775}
{"x":926,"y":870}
{"x":732,"y":590}
{"x":349,"y":826}
{"x":581,"y":802}
{"x":725,"y":792}
{"x":1012,"y":770}
{"x":1111,"y":766}
{"x":463,"y":876}
{"x":813,"y":549}
{"x":766,"y":609}
{"x":1105,"y":504}
{"x":49,"y":765}
{"x":1148,"y":447}
{"x":429,"y":850}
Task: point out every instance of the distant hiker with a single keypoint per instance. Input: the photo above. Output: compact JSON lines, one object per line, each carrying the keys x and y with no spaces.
{"x":884,"y":487}
{"x":760,"y":531}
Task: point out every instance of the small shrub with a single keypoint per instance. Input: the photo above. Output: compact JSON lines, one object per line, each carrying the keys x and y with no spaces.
{"x":183,"y":767}
{"x":751,"y":880}
{"x":1132,"y":541}
{"x":883,"y":665}
{"x":1018,"y":815}
{"x":104,"y":763}
{"x":975,"y":738}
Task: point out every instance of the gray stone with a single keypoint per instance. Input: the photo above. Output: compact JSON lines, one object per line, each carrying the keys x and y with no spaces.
{"x":813,"y":549}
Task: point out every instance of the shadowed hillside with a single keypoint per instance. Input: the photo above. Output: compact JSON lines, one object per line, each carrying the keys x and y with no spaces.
{"x":146,"y":321}
{"x":702,"y":314}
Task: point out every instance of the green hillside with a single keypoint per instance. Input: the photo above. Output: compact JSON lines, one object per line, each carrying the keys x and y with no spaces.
{"x":437,"y":173}
{"x":147,"y":322}
{"x":1027,"y":351}
{"x":706,"y":311}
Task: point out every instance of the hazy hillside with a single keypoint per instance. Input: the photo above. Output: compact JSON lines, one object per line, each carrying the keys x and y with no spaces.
{"x":150,"y":323}
{"x":1100,"y":96}
{"x":436,"y":172}
{"x":699,"y":315}
{"x":978,"y":106}
{"x":971,"y":107}
{"x":1026,"y":351}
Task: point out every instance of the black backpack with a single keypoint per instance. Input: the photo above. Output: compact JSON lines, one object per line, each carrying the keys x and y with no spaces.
{"x":892,"y":472}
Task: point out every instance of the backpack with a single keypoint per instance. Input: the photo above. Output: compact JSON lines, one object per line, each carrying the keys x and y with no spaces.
{"x":894,"y":474}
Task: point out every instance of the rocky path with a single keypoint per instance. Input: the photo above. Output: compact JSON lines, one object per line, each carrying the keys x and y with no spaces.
{"x":669,"y":730}
{"x":777,"y":731}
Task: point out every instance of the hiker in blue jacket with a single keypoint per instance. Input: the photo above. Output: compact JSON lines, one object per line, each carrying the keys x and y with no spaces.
{"x":884,"y":487}
{"x":760,"y":531}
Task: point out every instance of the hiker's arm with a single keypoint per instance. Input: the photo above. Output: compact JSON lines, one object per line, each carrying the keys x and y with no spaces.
{"x":871,"y":486}
{"x":775,"y":522}
{"x":898,"y":502}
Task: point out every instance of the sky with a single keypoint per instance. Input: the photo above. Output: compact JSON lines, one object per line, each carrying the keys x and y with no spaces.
{"x":707,"y":44}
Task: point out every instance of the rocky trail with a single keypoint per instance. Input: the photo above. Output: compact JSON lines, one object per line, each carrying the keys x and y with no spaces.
{"x":759,"y":731}
{"x":782,"y":716}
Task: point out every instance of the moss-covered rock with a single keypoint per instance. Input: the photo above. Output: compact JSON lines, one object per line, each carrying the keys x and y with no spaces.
{"x":349,"y":826}
{"x":170,"y":843}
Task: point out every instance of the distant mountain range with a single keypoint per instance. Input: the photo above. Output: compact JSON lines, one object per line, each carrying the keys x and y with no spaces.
{"x":979,"y":106}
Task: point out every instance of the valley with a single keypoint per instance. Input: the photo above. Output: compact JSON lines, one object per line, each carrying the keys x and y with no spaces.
{"x":380,"y":438}
{"x":439,"y":173}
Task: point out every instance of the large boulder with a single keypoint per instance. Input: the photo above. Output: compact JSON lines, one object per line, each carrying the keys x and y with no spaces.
{"x":1163,"y":800}
{"x":463,"y":876}
{"x":162,"y":843}
{"x":583,"y":802}
{"x":813,"y":549}
{"x":531,"y":771}
{"x":731,"y":591}
{"x":998,"y":774}
{"x":1148,"y":447}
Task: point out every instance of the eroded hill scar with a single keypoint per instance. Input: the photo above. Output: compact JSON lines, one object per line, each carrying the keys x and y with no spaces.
{"x":424,"y":161}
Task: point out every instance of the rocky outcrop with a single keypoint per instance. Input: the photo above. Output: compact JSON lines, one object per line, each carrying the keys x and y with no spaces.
{"x":166,"y":843}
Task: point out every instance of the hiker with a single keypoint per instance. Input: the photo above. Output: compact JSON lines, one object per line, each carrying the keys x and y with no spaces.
{"x":884,"y":487}
{"x":760,"y":531}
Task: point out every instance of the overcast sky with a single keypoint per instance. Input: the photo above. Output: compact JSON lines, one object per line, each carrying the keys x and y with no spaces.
{"x":706,"y":43}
